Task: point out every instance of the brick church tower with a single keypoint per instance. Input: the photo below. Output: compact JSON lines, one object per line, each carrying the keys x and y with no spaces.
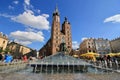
{"x":58,"y":36}
{"x":55,"y":31}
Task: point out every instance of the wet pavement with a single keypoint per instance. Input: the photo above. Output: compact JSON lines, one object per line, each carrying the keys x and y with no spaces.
{"x":69,"y":76}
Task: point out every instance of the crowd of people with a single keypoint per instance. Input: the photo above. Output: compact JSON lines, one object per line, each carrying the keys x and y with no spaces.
{"x":107,"y":58}
{"x":107,"y":61}
{"x":7,"y":58}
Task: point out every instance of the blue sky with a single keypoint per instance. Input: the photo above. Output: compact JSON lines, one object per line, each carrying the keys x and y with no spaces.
{"x":28,"y":22}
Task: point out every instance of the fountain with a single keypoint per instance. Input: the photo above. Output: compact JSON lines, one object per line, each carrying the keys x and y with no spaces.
{"x":110,"y":64}
{"x":105,"y":64}
{"x":116,"y":62}
{"x":60,"y":62}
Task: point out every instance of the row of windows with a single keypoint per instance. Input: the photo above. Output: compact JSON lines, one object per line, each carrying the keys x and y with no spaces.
{"x":57,"y":37}
{"x":103,"y":45}
{"x":92,"y":51}
{"x":67,"y":43}
{"x":90,"y":43}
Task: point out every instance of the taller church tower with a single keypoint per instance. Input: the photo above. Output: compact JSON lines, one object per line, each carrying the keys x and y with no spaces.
{"x":55,"y":31}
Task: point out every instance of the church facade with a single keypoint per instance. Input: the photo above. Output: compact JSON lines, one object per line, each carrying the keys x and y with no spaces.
{"x":59,"y":35}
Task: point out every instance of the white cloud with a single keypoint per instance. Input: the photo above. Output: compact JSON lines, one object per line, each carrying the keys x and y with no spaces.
{"x":114,"y":19}
{"x":6,"y":15}
{"x":75,"y":45}
{"x":10,"y":7}
{"x":25,"y":37}
{"x":27,"y":5}
{"x":84,"y":38}
{"x":29,"y":19}
{"x":16,"y":2}
{"x":30,"y":11}
{"x":45,"y":15}
{"x":22,"y":42}
{"x":27,"y":2}
{"x":31,"y":30}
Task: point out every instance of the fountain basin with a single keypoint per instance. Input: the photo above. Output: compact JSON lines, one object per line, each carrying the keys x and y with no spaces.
{"x":60,"y":62}
{"x":59,"y":68}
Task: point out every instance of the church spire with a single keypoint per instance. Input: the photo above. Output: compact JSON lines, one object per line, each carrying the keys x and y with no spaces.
{"x":56,"y":11}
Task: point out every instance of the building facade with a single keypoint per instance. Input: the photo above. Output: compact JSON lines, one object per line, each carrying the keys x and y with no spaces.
{"x":115,"y":45}
{"x":100,"y":45}
{"x":58,"y":36}
{"x":88,"y":45}
{"x":3,"y":41}
{"x":18,"y":49}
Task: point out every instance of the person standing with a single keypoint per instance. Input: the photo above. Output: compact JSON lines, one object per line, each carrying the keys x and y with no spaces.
{"x":25,"y":58}
{"x":1,"y":57}
{"x":8,"y":58}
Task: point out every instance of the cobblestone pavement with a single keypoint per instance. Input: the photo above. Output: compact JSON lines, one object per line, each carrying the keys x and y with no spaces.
{"x":33,"y":76}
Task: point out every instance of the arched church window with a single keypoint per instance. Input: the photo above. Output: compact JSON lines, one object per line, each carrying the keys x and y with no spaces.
{"x":56,"y":29}
{"x":56,"y":41}
{"x":57,"y":49}
{"x":56,"y":32}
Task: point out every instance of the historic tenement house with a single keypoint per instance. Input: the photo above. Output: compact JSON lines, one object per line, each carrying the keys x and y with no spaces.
{"x":17,"y":49}
{"x":115,"y":45}
{"x":88,"y":45}
{"x":102,"y":46}
{"x":3,"y":41}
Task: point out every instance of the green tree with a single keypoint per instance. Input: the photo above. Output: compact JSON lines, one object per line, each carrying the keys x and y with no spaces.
{"x":1,"y":50}
{"x":6,"y":50}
